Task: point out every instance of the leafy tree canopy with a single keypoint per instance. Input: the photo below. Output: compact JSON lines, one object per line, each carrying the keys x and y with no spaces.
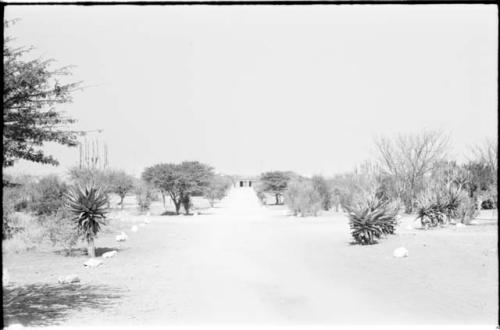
{"x":31,"y":91}
{"x":179,"y":181}
{"x":275,"y":181}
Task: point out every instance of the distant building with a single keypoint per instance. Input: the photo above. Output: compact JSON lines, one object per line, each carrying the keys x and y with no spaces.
{"x":244,"y":181}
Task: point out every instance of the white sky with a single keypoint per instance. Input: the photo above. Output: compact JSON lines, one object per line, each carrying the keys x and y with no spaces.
{"x":254,"y":88}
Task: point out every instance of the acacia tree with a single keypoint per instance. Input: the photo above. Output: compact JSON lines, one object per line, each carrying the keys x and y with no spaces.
{"x":121,"y":184}
{"x":408,"y":159}
{"x":164,"y":178}
{"x":31,"y":91}
{"x":195,"y":177}
{"x":179,"y":181}
{"x":275,"y":182}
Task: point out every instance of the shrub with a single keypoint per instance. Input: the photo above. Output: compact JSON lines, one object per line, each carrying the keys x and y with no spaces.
{"x":9,"y":198}
{"x":61,"y":230}
{"x":28,"y":236}
{"x":217,"y":189}
{"x":487,"y":204}
{"x":144,"y":195}
{"x":262,"y":197}
{"x":467,"y":211}
{"x":301,"y":197}
{"x":453,"y":198}
{"x":187,"y":203}
{"x":322,"y":188}
{"x":371,"y":219}
{"x":88,"y":207}
{"x":439,"y":205}
{"x":431,"y":210}
{"x":48,"y":195}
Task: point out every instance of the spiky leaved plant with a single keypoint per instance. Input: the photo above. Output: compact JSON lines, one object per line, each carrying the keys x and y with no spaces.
{"x":89,"y":207}
{"x":371,"y":220}
{"x":431,"y":215}
{"x":441,"y":205}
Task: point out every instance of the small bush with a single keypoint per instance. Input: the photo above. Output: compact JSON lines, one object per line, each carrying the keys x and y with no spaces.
{"x":487,"y":204}
{"x":372,"y":219}
{"x":262,"y":197}
{"x":217,"y":189}
{"x":61,"y":230}
{"x":322,"y":188}
{"x":28,"y":236}
{"x":431,"y":210}
{"x":144,"y":195}
{"x":9,"y":198}
{"x":301,"y":198}
{"x":48,"y":195}
{"x":437,"y":206}
{"x":467,"y":211}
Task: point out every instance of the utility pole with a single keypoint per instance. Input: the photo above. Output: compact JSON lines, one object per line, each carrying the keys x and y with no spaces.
{"x":90,"y":150}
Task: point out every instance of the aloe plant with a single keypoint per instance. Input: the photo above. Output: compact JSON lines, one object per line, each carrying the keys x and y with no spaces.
{"x":89,"y":207}
{"x":440,"y":206}
{"x":370,"y":221}
{"x":431,"y":215}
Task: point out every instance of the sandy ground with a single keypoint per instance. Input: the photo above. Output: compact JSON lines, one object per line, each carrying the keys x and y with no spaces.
{"x":247,"y":264}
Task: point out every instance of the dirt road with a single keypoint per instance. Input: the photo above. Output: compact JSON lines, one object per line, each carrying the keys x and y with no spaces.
{"x":244,"y":263}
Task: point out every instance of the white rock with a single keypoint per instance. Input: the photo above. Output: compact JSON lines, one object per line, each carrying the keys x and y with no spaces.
{"x":122,"y":237}
{"x":400,"y":252}
{"x":92,"y":263}
{"x":68,"y":279}
{"x":134,"y":228}
{"x":5,"y":277}
{"x":109,"y":254}
{"x":460,"y":225}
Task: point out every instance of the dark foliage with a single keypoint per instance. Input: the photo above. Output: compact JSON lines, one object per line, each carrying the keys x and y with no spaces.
{"x":369,"y":222}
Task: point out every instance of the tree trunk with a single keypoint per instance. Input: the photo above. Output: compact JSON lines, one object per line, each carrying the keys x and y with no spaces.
{"x":163,"y":198}
{"x":177,"y":207}
{"x":121,"y":201}
{"x":186,"y":200}
{"x":91,"y":247}
{"x":277,"y":199}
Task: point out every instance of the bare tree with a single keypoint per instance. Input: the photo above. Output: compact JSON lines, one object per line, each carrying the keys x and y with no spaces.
{"x":408,"y":158}
{"x":487,"y":153}
{"x":486,"y":156}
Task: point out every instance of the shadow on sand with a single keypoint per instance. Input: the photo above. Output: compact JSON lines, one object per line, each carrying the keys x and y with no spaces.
{"x":82,"y":252}
{"x":170,"y":213}
{"x":42,"y":304}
